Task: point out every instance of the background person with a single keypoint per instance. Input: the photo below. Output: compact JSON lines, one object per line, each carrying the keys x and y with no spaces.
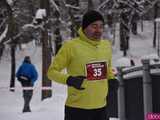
{"x":27,"y":75}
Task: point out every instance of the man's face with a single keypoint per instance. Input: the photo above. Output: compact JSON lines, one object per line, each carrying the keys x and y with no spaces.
{"x":94,"y":30}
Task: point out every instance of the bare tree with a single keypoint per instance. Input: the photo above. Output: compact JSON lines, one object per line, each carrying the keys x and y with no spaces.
{"x":155,"y":24}
{"x":46,"y":52}
{"x":90,"y":5}
{"x":12,"y":31}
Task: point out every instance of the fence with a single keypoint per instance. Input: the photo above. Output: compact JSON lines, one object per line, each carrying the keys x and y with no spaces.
{"x":139,"y":91}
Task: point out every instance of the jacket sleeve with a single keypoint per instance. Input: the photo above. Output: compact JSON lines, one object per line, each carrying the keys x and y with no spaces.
{"x":61,"y":61}
{"x":18,"y":72}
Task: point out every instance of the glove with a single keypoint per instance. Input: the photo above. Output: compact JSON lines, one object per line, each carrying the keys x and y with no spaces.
{"x":76,"y":81}
{"x":113,"y":84}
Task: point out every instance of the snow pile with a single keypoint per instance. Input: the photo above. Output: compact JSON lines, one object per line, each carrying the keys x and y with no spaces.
{"x":123,"y":62}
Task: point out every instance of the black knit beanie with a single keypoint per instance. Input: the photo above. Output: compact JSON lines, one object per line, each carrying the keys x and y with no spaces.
{"x":90,"y":17}
{"x":27,"y":59}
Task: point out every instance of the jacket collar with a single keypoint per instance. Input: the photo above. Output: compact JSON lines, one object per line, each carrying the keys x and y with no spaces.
{"x":83,"y":37}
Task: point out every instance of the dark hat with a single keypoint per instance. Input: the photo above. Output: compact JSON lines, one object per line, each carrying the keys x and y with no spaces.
{"x":27,"y":59}
{"x":90,"y":17}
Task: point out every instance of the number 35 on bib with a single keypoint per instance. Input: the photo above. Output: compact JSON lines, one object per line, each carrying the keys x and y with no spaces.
{"x":96,"y":71}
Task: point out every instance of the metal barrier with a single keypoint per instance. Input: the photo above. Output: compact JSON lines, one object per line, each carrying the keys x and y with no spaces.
{"x":136,"y":96}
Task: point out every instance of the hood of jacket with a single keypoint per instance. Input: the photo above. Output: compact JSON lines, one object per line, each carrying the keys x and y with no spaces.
{"x":85,"y":38}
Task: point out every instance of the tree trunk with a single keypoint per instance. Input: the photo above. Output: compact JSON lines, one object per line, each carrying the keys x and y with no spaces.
{"x":58,"y":40}
{"x":11,"y":33}
{"x":13,"y":67}
{"x":90,"y":5}
{"x":155,"y":24}
{"x":72,"y":27}
{"x":46,"y":60}
{"x":46,"y":54}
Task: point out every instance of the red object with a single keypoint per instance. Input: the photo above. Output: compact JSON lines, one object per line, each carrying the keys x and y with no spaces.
{"x":96,"y":71}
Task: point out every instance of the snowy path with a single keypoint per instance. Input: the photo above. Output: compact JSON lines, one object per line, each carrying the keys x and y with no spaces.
{"x":140,"y":45}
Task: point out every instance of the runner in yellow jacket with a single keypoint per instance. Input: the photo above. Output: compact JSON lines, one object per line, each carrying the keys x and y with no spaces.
{"x":87,"y":58}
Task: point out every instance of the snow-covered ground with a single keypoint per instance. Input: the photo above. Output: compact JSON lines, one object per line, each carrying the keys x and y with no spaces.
{"x":141,"y":46}
{"x":11,"y":103}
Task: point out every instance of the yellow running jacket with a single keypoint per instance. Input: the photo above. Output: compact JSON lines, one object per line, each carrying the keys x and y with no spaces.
{"x":81,"y":56}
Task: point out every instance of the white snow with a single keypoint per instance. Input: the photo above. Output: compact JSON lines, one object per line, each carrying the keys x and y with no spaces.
{"x":157,"y":19}
{"x":55,"y":5}
{"x":10,"y":2}
{"x":71,"y":6}
{"x":102,"y":4}
{"x":11,"y":103}
{"x":33,"y":26}
{"x":40,"y":14}
{"x":141,"y":45}
{"x":3,"y":35}
{"x":123,"y":62}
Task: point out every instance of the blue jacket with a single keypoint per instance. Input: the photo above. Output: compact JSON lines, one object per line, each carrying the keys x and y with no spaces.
{"x":28,"y":70}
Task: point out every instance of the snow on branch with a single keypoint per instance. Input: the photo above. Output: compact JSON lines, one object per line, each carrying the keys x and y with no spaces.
{"x":149,"y":1}
{"x":41,"y":13}
{"x":55,"y":5}
{"x":151,"y":4}
{"x":3,"y":22}
{"x":24,"y":28}
{"x":32,"y":26}
{"x":15,"y":37}
{"x":3,"y":35}
{"x":64,"y":22}
{"x":101,"y":5}
{"x":10,"y":2}
{"x":71,"y":6}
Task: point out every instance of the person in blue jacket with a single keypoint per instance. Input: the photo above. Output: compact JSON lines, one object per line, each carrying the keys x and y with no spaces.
{"x":27,"y":75}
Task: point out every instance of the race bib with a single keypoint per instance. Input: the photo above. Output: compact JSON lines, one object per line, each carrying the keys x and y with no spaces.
{"x":96,"y":71}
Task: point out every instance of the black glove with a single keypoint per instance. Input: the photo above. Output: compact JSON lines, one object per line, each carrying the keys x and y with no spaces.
{"x":113,"y":84}
{"x":76,"y":81}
